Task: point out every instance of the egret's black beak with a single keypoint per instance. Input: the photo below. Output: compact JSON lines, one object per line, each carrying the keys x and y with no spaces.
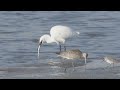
{"x":39,"y":47}
{"x":40,"y":43}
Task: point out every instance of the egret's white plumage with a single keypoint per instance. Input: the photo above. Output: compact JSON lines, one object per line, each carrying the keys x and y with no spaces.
{"x":58,"y":34}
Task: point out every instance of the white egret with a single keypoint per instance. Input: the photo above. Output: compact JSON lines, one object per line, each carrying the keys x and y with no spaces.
{"x":58,"y":34}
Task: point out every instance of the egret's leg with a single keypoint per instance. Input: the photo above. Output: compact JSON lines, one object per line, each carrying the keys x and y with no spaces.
{"x":60,"y":47}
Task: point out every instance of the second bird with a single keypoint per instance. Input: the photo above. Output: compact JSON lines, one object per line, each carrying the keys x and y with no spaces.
{"x":73,"y":55}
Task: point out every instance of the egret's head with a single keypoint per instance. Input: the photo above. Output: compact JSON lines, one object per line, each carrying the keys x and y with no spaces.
{"x":43,"y":39}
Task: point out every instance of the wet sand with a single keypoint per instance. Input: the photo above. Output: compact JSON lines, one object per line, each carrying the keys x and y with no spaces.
{"x":56,"y":71}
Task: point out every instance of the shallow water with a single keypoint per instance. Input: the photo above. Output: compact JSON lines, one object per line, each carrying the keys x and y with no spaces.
{"x":20,"y":32}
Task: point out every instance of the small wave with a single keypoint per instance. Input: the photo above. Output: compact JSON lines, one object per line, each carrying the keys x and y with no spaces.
{"x":95,"y":34}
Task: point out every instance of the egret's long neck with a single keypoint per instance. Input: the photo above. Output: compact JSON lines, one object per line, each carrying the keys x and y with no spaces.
{"x":50,"y":40}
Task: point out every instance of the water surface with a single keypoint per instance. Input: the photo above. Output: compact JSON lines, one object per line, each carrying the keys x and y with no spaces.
{"x":20,"y":32}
